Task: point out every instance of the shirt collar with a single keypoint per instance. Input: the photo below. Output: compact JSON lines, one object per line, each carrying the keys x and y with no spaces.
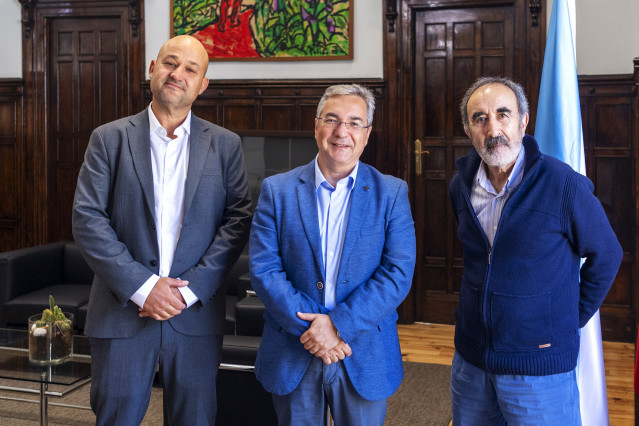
{"x":319,"y":177}
{"x":482,"y":178}
{"x":156,"y":127}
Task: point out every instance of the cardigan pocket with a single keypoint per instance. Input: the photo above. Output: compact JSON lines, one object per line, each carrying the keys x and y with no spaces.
{"x":521,"y":323}
{"x":467,"y":315}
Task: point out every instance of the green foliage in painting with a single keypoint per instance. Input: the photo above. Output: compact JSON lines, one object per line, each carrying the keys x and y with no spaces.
{"x":191,"y":16}
{"x":279,"y":28}
{"x":301,"y":27}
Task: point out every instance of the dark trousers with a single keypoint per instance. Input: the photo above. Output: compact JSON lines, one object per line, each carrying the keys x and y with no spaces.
{"x":327,"y":384}
{"x":123,"y":371}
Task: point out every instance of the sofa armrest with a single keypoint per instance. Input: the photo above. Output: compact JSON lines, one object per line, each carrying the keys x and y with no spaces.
{"x":249,"y":316}
{"x":29,"y":269}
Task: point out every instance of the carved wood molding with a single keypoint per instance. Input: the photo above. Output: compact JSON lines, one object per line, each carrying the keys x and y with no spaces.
{"x":535,"y":10}
{"x":134,"y":16}
{"x":391,"y":14}
{"x":27,"y":16}
{"x":28,"y":7}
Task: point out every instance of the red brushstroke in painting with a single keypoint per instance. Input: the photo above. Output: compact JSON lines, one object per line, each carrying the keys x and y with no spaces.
{"x":234,"y":42}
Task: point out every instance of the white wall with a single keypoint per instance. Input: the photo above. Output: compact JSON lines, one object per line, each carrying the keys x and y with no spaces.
{"x":367,"y":60}
{"x":11,"y":33}
{"x":607,"y":36}
{"x":598,"y":48}
{"x":599,"y":32}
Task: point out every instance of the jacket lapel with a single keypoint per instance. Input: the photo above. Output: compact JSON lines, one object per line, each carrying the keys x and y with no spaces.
{"x":198,"y":151}
{"x":307,"y":205}
{"x":360,"y":198}
{"x":140,"y":148}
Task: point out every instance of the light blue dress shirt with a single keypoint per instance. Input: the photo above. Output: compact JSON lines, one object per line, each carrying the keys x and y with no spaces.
{"x":488,"y":204}
{"x":333,"y":205}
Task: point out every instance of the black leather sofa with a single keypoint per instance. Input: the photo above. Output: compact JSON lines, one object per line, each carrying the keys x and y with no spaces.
{"x":28,"y":276}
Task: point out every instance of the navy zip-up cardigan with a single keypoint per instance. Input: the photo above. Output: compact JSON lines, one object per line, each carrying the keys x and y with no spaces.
{"x":521,"y":303}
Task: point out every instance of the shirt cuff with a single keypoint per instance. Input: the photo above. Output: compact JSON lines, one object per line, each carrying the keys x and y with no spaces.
{"x":189,"y":297}
{"x":139,"y":297}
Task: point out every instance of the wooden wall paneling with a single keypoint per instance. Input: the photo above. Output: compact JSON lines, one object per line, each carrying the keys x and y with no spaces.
{"x":278,"y":114}
{"x":283,"y":108}
{"x":11,"y":170}
{"x":609,"y":118}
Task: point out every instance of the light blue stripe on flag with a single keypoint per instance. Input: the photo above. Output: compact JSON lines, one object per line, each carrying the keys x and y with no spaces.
{"x":559,"y":133}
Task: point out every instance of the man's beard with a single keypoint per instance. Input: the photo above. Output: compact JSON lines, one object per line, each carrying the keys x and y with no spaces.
{"x":499,"y":156}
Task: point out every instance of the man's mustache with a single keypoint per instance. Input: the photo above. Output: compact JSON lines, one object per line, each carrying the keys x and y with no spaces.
{"x":177,"y":83}
{"x":492,"y":142}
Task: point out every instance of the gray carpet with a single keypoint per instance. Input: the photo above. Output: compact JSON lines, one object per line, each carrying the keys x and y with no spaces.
{"x":422,"y":399}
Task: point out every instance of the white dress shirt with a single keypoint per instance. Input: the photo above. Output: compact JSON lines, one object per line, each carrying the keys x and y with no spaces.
{"x":333,"y":206}
{"x":170,"y":162}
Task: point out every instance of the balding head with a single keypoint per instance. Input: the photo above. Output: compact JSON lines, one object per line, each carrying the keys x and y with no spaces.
{"x":190,"y":43}
{"x":178,"y":75}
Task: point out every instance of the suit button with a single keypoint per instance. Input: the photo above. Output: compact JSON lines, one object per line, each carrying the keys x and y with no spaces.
{"x":320,"y":285}
{"x":154,"y":263}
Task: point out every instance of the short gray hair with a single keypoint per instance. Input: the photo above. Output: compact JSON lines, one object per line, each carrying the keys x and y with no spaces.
{"x":522,"y":102}
{"x":350,"y":89}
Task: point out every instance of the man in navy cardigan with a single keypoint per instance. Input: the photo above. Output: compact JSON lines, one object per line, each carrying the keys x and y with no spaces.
{"x":525,"y":222}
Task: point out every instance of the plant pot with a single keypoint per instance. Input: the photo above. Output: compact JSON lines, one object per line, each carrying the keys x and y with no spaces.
{"x":50,"y":342}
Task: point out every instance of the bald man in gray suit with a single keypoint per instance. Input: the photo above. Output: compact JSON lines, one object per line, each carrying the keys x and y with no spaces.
{"x":161,"y":213}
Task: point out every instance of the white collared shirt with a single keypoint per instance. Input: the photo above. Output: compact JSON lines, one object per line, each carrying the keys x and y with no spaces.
{"x":333,"y":206}
{"x":170,"y":163}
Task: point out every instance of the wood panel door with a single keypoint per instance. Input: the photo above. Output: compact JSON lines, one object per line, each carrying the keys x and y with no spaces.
{"x":451,"y":51}
{"x":85,"y":89}
{"x":83,"y":65}
{"x":441,"y":48}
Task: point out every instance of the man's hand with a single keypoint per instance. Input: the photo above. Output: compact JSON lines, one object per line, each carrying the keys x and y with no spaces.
{"x":321,"y":336}
{"x":338,"y":353}
{"x":165,"y":300}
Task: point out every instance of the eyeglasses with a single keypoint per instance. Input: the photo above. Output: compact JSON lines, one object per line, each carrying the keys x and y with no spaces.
{"x":332,"y":123}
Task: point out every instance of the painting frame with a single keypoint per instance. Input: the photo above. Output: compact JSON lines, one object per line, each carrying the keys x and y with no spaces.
{"x":267,"y":30}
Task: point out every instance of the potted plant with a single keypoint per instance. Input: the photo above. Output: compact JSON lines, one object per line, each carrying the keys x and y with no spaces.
{"x":50,"y":335}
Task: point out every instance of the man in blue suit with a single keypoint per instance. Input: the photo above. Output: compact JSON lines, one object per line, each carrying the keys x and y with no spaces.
{"x":332,"y":253}
{"x":161,"y":212}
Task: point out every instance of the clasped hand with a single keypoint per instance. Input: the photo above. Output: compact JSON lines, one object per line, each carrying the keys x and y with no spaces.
{"x":165,"y":300}
{"x":321,"y":338}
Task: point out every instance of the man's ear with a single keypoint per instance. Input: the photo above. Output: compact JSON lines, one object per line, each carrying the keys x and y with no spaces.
{"x":204,"y":85}
{"x":151,"y":68}
{"x":524,"y":123}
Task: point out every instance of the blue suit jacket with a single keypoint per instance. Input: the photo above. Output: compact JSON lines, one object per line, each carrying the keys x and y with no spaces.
{"x":375,"y":274}
{"x":113,"y":223}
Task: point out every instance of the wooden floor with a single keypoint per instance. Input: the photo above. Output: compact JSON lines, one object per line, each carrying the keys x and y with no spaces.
{"x":433,"y":343}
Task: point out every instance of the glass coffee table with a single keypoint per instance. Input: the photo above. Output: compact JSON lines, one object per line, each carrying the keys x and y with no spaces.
{"x":53,"y":380}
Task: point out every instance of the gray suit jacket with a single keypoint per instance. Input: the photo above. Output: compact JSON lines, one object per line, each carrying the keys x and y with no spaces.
{"x":113,"y":223}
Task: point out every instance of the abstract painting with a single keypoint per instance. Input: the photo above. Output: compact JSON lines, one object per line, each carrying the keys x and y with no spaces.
{"x":267,"y":29}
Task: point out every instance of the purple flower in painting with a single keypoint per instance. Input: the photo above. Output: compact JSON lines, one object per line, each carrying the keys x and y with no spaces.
{"x":274,"y":5}
{"x":330,"y":25}
{"x":308,"y":17}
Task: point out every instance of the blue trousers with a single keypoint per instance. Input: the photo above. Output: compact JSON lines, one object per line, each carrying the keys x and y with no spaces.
{"x":482,"y":399}
{"x":330,"y":384}
{"x":122,"y":373}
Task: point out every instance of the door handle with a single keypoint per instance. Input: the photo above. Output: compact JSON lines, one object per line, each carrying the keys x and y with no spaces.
{"x":418,"y":157}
